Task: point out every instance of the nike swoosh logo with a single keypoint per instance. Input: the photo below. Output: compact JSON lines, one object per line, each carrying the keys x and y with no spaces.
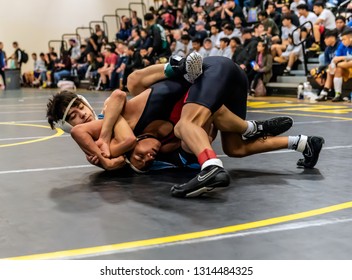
{"x":309,"y":153}
{"x":204,"y":177}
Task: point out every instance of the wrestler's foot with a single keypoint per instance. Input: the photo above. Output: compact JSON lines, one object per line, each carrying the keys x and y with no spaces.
{"x":311,"y":152}
{"x":210,"y":178}
{"x":189,"y":67}
{"x":271,"y":127}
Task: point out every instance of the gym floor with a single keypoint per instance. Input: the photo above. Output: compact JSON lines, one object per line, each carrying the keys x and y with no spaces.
{"x":54,"y":205}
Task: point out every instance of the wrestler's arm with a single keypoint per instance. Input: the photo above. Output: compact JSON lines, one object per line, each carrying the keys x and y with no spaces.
{"x":113,"y":108}
{"x":85,"y":136}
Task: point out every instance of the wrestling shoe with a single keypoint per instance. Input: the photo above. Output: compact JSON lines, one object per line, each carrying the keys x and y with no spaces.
{"x":271,"y":127}
{"x":189,"y":67}
{"x":311,"y":152}
{"x":210,"y":178}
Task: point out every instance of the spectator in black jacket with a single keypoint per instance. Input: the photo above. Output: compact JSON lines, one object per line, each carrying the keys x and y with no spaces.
{"x":134,"y":62}
{"x":159,"y":46}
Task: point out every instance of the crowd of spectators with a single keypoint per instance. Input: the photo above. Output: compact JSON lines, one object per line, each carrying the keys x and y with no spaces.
{"x":253,"y":33}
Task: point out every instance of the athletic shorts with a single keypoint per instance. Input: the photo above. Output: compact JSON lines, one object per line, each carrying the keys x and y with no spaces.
{"x":347,"y":74}
{"x":222,"y":83}
{"x":164,"y":103}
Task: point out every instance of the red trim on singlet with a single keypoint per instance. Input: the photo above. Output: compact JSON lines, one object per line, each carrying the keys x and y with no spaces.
{"x":175,"y":117}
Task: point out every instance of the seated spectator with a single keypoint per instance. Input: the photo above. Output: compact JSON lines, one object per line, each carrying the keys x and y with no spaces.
{"x":228,"y":32}
{"x":270,"y":26}
{"x":133,"y":62}
{"x":201,"y":33}
{"x":75,"y":49}
{"x":325,"y":21}
{"x":125,"y":29}
{"x":28,"y":76}
{"x":134,"y":17}
{"x":62,"y":68}
{"x":235,"y":47}
{"x":39,"y":70}
{"x":248,"y":53}
{"x":214,"y":34}
{"x":286,"y":30}
{"x":146,"y":59}
{"x":322,"y":73}
{"x":272,"y":13}
{"x":207,"y":49}
{"x":159,"y":46}
{"x":196,"y":45}
{"x":238,"y":27}
{"x":224,"y":49}
{"x":341,"y":65}
{"x":305,"y":16}
{"x":110,"y":59}
{"x":290,"y":56}
{"x":294,"y":4}
{"x":230,"y":10}
{"x":341,"y":26}
{"x":117,"y":74}
{"x":51,"y":60}
{"x":285,"y":10}
{"x":135,"y":39}
{"x":263,"y":66}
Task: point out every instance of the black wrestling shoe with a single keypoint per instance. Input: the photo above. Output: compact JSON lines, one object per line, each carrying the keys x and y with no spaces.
{"x":271,"y":127}
{"x":189,"y":67}
{"x":311,"y":152}
{"x":210,"y":178}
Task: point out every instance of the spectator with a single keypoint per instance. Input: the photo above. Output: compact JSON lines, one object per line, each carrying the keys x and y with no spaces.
{"x":28,"y":76}
{"x":263,"y":66}
{"x":134,"y":16}
{"x":325,"y":21}
{"x":51,"y":60}
{"x":285,"y":10}
{"x":295,"y":4}
{"x":270,"y":26}
{"x":290,"y":56}
{"x":215,"y":35}
{"x":196,"y":45}
{"x":228,"y":32}
{"x":146,"y":59}
{"x":207,"y":48}
{"x":2,"y":65}
{"x":109,"y":65}
{"x":332,"y":42}
{"x":305,"y":16}
{"x":201,"y":33}
{"x":125,"y":29}
{"x":74,"y":50}
{"x":224,"y":49}
{"x":341,"y":26}
{"x":341,"y":64}
{"x":17,"y":55}
{"x":135,"y":39}
{"x":230,"y":10}
{"x":273,"y":14}
{"x":159,"y":46}
{"x":238,"y":27}
{"x":235,"y":46}
{"x":133,"y":62}
{"x":62,"y":68}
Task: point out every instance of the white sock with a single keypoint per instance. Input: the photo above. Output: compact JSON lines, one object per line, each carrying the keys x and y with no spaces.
{"x":297,"y":143}
{"x":288,"y":68}
{"x":251,"y":128}
{"x":212,"y":161}
{"x":338,"y":85}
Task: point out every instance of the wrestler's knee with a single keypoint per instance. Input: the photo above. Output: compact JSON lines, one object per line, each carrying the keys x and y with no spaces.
{"x":237,"y":152}
{"x":133,"y":80}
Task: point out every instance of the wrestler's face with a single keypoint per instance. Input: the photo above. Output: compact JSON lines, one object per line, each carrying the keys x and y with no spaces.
{"x":144,"y":153}
{"x":80,"y":114}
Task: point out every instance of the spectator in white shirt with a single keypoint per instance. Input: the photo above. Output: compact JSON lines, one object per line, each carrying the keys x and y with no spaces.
{"x":305,"y":15}
{"x":325,"y":21}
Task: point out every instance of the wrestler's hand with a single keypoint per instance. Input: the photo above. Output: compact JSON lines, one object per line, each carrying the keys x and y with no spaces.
{"x":93,"y":160}
{"x":104,"y":148}
{"x":114,"y":163}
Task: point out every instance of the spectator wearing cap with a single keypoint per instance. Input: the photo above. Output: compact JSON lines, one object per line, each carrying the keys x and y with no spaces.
{"x":207,"y":48}
{"x":201,"y":33}
{"x":325,"y":21}
{"x":159,"y":46}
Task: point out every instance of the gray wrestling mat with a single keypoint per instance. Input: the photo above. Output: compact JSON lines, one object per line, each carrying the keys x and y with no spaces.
{"x":53,"y":204}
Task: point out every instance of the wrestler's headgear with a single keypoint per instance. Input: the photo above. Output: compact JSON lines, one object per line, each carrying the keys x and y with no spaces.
{"x":63,"y":124}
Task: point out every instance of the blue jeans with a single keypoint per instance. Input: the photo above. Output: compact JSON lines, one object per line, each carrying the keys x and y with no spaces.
{"x":60,"y":74}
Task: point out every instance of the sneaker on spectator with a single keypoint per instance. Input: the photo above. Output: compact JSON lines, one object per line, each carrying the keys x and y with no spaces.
{"x":337,"y":98}
{"x":315,"y":48}
{"x":287,"y":73}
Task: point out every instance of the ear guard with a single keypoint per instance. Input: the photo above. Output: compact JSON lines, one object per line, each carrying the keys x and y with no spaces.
{"x":135,"y":169}
{"x":65,"y":126}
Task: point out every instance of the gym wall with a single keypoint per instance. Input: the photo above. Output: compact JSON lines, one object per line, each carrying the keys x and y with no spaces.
{"x":32,"y":23}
